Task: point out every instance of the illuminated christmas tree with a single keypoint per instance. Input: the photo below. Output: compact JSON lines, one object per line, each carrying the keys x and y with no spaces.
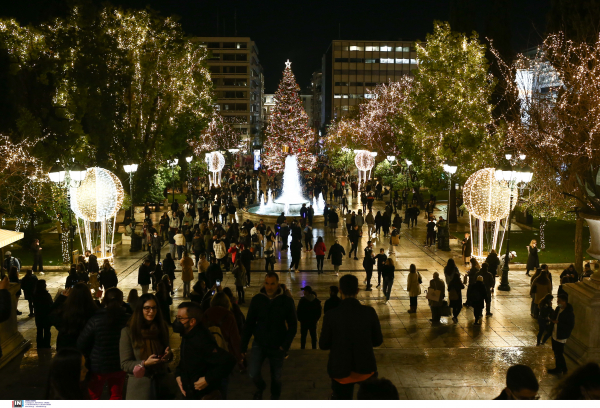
{"x":288,"y":132}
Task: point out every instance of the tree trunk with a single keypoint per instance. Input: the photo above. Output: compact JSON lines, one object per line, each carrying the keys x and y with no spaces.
{"x":543,"y":221}
{"x":452,"y":203}
{"x":579,"y":245}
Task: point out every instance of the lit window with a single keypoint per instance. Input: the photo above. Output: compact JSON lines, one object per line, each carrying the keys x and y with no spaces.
{"x":402,"y":60}
{"x":370,"y":60}
{"x":403,"y":49}
{"x":385,"y":48}
{"x":344,"y":96}
{"x":387,"y":60}
{"x":372,"y":48}
{"x":368,"y":96}
{"x":345,"y":107}
{"x":356,"y":48}
{"x":337,"y":96}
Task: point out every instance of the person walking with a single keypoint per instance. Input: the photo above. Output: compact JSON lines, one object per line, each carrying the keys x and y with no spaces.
{"x":309,"y":313}
{"x":272,"y":321}
{"x":144,"y":351}
{"x":187,"y":273}
{"x":239,"y":272}
{"x":203,"y":366}
{"x":156,"y":245}
{"x":99,"y":343}
{"x":368,"y":262}
{"x":28,"y":283}
{"x":413,"y":286}
{"x":42,"y":303}
{"x":455,"y":287}
{"x":564,"y":322}
{"x":466,"y":249}
{"x":334,"y":220}
{"x":296,"y":253}
{"x":488,"y":281}
{"x":144,"y":275}
{"x":179,"y":243}
{"x":388,"y":278}
{"x":214,"y":273}
{"x":320,"y":250}
{"x":349,"y":332}
{"x":378,"y":222}
{"x":435,"y":303}
{"x":381,"y":258}
{"x":533,"y":261}
{"x":540,"y":287}
{"x":353,"y":236}
{"x":336,"y":254}
{"x":168,"y":267}
{"x":220,"y":250}
{"x":476,"y":294}
{"x":546,"y":312}
{"x":269,"y":256}
{"x":246,"y":258}
{"x":370,"y":220}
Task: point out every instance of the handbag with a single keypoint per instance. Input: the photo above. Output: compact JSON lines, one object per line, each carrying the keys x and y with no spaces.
{"x":434,"y":294}
{"x":395,"y":240}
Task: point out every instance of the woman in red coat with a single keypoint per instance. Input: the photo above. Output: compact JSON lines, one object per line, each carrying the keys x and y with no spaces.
{"x":320,"y":249}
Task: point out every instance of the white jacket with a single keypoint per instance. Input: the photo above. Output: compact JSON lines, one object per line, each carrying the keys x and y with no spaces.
{"x":220,"y":250}
{"x":174,"y":222}
{"x":179,"y":239}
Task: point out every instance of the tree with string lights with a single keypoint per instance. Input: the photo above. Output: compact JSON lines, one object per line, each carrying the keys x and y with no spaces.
{"x":288,"y":132}
{"x":218,"y":135}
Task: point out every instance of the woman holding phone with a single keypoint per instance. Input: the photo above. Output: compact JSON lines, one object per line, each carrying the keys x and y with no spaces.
{"x":145,"y":352}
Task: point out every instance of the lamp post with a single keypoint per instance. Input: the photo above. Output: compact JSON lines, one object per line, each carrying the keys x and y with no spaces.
{"x":172,"y":164}
{"x":66,"y":178}
{"x":189,"y":161}
{"x":449,"y":168}
{"x":392,"y":159}
{"x":130,"y":169}
{"x":512,"y":177}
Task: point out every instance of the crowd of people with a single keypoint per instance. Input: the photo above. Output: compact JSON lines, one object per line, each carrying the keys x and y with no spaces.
{"x":125,"y":340}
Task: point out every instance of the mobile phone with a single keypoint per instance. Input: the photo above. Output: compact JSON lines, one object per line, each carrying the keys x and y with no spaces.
{"x":218,"y":283}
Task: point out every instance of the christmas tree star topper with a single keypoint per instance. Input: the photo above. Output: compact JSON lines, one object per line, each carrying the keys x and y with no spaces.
{"x":288,"y":64}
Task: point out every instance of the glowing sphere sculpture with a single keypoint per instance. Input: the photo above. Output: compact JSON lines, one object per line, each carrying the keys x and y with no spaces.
{"x":216,"y":161}
{"x":99,"y":196}
{"x":486,"y":198}
{"x":364,"y":160}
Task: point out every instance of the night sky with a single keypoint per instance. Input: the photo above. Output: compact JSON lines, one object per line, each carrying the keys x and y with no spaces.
{"x":302,"y":30}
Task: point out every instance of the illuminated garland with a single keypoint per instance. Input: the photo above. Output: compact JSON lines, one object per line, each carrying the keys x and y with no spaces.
{"x":219,"y":135}
{"x":486,"y":198}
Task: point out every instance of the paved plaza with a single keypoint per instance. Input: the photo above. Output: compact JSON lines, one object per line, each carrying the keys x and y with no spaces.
{"x":450,"y":361}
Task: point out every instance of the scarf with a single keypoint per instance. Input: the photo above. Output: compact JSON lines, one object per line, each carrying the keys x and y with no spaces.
{"x":152,"y":343}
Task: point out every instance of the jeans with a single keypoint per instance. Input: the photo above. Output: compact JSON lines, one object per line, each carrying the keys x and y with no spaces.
{"x":354,"y":248}
{"x":543,"y":324}
{"x":257,"y":358}
{"x":370,"y":230}
{"x":31,"y":308}
{"x":115,"y":382}
{"x":295,"y":262}
{"x":43,"y":337}
{"x":413,"y":221}
{"x":436,"y":313}
{"x":240,"y":293}
{"x":305,"y":327}
{"x":488,"y":303}
{"x":369,"y":272}
{"x":156,"y":254}
{"x":172,"y":249}
{"x":37,"y":261}
{"x":186,"y":289}
{"x":559,"y":355}
{"x":188,"y":247}
{"x":247,"y":266}
{"x":308,"y":243}
{"x":336,"y":268}
{"x":320,"y":260}
{"x":145,"y":289}
{"x":180,"y":251}
{"x":387,"y":287}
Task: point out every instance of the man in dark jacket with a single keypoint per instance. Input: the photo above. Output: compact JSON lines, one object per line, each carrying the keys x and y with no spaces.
{"x":521,"y":384}
{"x":272,"y":321}
{"x":350,"y":331}
{"x":202,"y":365}
{"x":296,"y":230}
{"x":284,"y":232}
{"x":488,"y":282}
{"x":144,"y":275}
{"x":368,"y":262}
{"x":214,"y":272}
{"x":564,"y":321}
{"x":336,"y":253}
{"x":5,"y":302}
{"x":296,"y":253}
{"x":354,"y":236}
{"x":333,"y":301}
{"x":309,"y":313}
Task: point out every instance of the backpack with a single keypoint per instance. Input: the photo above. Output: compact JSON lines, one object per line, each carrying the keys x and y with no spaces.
{"x":255,"y":238}
{"x":218,"y":335}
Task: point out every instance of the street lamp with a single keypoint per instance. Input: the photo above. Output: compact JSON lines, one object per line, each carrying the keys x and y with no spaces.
{"x":172,"y":164}
{"x":449,"y":168}
{"x":130,"y":169}
{"x":67,"y":178}
{"x":512,"y":177}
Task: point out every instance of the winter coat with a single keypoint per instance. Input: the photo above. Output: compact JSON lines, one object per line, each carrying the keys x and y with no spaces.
{"x":219,"y":248}
{"x":493,"y":262}
{"x":320,"y":248}
{"x":239,"y":272}
{"x":466,"y":248}
{"x":360,"y":221}
{"x":488,"y":280}
{"x":566,"y":322}
{"x":350,"y":331}
{"x":28,"y":285}
{"x":533,"y":260}
{"x":387,"y":271}
{"x":272,"y":322}
{"x":187,"y":269}
{"x":108,"y":278}
{"x":225,"y":320}
{"x":456,"y":285}
{"x":179,"y":239}
{"x":476,"y":294}
{"x":437,"y":284}
{"x":144,"y":274}
{"x":336,"y":254}
{"x":214,"y":273}
{"x":309,"y":309}
{"x":369,"y":219}
{"x":412,"y":284}
{"x":99,"y":342}
{"x":331,"y":303}
{"x":540,"y":290}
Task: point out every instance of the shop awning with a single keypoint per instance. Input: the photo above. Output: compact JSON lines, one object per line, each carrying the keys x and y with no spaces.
{"x":8,"y":237}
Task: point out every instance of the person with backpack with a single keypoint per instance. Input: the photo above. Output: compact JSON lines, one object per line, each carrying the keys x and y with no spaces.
{"x":309,"y":313}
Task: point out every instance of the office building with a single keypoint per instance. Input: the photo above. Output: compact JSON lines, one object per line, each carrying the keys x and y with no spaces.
{"x":351,"y":68}
{"x":238,"y":83}
{"x":316,"y":84}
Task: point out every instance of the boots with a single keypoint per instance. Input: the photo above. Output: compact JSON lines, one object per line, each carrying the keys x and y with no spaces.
{"x":413,"y":309}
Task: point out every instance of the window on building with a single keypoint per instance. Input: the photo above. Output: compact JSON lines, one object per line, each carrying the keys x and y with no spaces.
{"x":241,"y":70}
{"x":337,"y":96}
{"x":213,"y":45}
{"x":214,"y":56}
{"x":214,"y":69}
{"x":402,"y":60}
{"x":228,"y":57}
{"x":241,"y":57}
{"x":370,"y":83}
{"x":341,"y":84}
{"x":372,"y":48}
{"x":341,"y":60}
{"x":385,"y":48}
{"x":241,"y":106}
{"x":356,"y":84}
{"x":387,"y":60}
{"x":228,"y":45}
{"x":356,"y":48}
{"x":370,"y":60}
{"x":357,"y":60}
{"x":344,"y":107}
{"x":402,"y":49}
{"x":368,"y":96}
{"x":241,"y":45}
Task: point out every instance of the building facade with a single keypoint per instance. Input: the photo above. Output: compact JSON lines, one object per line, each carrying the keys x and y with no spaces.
{"x":316,"y":84}
{"x":351,"y":68}
{"x":238,"y":83}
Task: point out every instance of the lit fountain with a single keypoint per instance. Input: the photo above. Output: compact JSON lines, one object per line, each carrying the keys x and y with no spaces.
{"x":291,"y":200}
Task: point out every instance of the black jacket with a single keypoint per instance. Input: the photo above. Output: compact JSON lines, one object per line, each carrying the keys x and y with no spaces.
{"x":331,"y":303}
{"x":296,"y":232}
{"x":296,"y":248}
{"x":350,"y":331}
{"x":309,"y":310}
{"x":214,"y":273}
{"x":144,"y":274}
{"x":336,"y":253}
{"x":201,"y":357}
{"x":108,"y":279}
{"x":5,"y":307}
{"x":272,"y":322}
{"x":99,"y":342}
{"x":566,"y":322}
{"x":354,"y":236}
